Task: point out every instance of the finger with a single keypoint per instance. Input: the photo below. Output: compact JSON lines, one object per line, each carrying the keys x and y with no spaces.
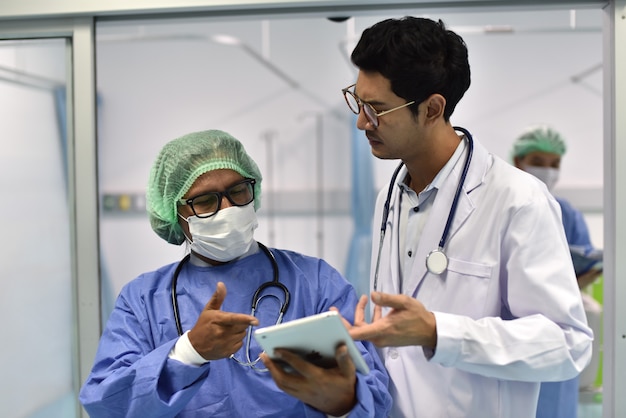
{"x":215,"y":303}
{"x":378,"y":313}
{"x":299,"y":364}
{"x":391,"y":301}
{"x":268,"y":363}
{"x":366,"y":332}
{"x":279,"y":374}
{"x":359,"y":312}
{"x":344,"y":361}
{"x":236,"y":320}
{"x":346,"y":323}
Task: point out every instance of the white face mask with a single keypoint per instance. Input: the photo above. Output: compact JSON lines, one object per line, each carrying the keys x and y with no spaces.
{"x":224,"y":236}
{"x":548,"y":175}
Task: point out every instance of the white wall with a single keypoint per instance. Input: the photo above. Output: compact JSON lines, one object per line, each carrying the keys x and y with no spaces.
{"x":161,"y":79}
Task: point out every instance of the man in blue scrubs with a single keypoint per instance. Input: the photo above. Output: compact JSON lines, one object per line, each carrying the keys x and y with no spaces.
{"x":204,"y":190}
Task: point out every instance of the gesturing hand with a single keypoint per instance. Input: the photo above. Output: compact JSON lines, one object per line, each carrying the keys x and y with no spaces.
{"x":218,"y":334}
{"x":407,"y":323}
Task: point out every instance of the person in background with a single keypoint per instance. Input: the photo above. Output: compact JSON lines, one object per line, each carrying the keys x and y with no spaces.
{"x":473,"y":289}
{"x":198,"y":358}
{"x":539,"y":151}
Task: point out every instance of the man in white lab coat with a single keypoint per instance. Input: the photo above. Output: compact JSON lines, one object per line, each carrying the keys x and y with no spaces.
{"x":471,"y":329}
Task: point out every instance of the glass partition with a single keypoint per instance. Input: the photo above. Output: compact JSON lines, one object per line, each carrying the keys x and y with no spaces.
{"x":37,"y":299}
{"x":275,"y":83}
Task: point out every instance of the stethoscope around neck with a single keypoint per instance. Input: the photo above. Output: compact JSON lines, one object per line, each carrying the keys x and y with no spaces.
{"x":436,"y":261}
{"x":256,"y":299}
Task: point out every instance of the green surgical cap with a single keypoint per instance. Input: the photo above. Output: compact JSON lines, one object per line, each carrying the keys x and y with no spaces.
{"x":178,"y":166}
{"x":539,"y":138}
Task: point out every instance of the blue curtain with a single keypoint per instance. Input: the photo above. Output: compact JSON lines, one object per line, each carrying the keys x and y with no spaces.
{"x":363,"y":198}
{"x":107,"y":298}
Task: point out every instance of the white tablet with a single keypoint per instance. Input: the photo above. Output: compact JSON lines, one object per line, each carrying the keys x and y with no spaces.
{"x":314,"y":337}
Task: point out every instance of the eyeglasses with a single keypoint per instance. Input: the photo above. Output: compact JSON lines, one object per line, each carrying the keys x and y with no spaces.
{"x":208,"y":204}
{"x":355,"y":104}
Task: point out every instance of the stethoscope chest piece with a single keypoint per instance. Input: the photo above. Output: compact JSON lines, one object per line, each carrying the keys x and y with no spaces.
{"x":436,"y":262}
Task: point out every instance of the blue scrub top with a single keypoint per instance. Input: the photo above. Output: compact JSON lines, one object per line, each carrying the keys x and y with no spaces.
{"x":133,"y":376}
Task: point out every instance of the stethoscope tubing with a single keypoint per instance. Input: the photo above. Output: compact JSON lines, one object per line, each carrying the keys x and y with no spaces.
{"x":174,"y":294}
{"x":255,"y":298}
{"x":459,"y":187}
{"x":383,"y":226}
{"x":446,"y":230}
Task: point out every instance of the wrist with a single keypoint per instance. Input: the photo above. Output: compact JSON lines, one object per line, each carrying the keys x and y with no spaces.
{"x":431,"y":341}
{"x":185,"y":352}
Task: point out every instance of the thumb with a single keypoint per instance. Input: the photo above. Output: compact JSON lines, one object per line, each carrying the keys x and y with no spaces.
{"x":215,"y":303}
{"x":344,"y":361}
{"x":388,"y":300}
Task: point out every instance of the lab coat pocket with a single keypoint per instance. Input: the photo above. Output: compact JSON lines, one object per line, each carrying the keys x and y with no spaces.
{"x":469,"y":268}
{"x":466,"y":287}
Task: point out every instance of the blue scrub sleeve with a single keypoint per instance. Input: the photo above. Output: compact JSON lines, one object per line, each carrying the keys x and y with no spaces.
{"x":144,"y":381}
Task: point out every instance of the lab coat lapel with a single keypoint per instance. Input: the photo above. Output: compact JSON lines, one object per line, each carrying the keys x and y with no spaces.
{"x":435,"y":225}
{"x":475,"y":176}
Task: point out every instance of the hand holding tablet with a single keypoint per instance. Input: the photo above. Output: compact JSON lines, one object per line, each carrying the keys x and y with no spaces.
{"x":314,"y":337}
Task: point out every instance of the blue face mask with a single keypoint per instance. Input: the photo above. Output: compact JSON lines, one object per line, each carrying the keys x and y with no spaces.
{"x":225,"y":236}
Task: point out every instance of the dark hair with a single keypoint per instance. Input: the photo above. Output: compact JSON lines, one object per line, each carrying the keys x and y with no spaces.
{"x":419,"y":56}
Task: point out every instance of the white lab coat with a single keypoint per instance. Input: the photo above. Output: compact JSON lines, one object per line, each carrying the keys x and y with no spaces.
{"x":508,"y":309}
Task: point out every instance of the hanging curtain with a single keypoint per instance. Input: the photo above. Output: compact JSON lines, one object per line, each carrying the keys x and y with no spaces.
{"x":363,"y":198}
{"x":107,"y":298}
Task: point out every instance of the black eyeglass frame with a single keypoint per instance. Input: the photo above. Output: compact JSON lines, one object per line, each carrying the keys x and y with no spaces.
{"x":226,"y":193}
{"x":371,"y":113}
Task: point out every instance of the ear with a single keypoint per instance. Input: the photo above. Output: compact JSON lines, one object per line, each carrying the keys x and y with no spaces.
{"x":182,"y":222}
{"x":435,"y":106}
